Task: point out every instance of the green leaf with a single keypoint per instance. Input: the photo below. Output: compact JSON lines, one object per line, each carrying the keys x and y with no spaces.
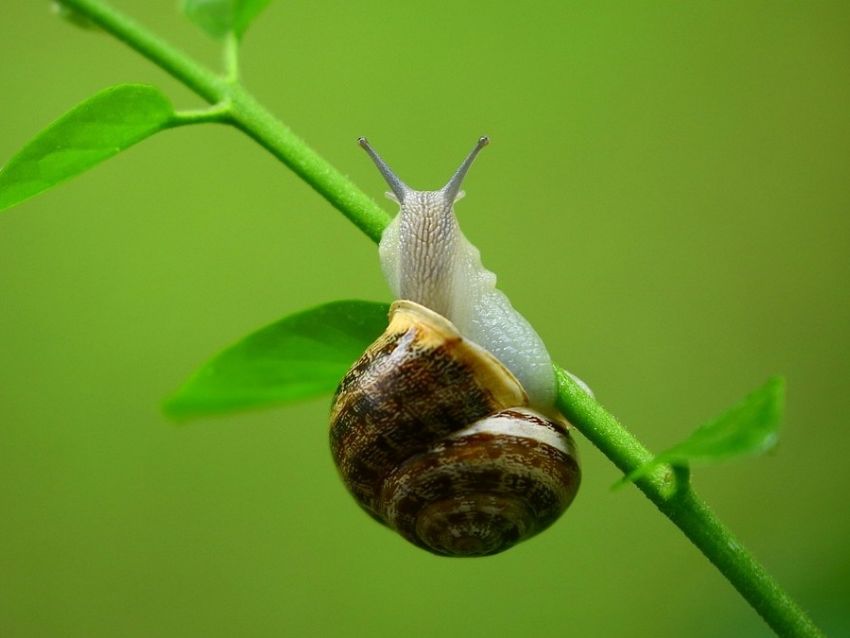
{"x":73,"y":17}
{"x":95,"y":130}
{"x":299,"y":357}
{"x":220,"y":17}
{"x":751,"y":427}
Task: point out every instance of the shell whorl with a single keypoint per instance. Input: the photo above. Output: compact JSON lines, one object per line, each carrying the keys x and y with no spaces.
{"x":433,"y":437}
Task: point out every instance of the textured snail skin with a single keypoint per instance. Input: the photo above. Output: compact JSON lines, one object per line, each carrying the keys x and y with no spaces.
{"x":426,"y":258}
{"x":433,"y":437}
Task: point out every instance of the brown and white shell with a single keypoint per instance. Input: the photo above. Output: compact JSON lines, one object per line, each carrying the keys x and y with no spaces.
{"x":434,"y":438}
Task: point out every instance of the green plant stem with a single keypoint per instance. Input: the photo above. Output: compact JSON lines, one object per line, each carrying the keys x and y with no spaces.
{"x":254,"y":120}
{"x":216,"y":114}
{"x":667,"y":487}
{"x":247,"y":114}
{"x":670,"y":489}
{"x":201,"y":80}
{"x":231,"y":58}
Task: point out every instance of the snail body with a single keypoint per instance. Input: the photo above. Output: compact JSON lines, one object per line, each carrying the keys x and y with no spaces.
{"x":426,"y":258}
{"x":445,"y":430}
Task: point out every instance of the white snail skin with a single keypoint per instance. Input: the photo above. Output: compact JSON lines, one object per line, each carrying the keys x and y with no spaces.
{"x":445,"y":430}
{"x":427,"y":259}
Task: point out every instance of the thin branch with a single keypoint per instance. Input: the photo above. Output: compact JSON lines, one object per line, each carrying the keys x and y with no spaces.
{"x":258,"y":123}
{"x":231,"y":58}
{"x":248,"y":115}
{"x":668,"y":489}
{"x":195,"y":76}
{"x":672,"y":493}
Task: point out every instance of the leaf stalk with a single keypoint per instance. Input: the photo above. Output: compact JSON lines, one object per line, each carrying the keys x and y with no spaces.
{"x":231,"y":58}
{"x":221,"y":113}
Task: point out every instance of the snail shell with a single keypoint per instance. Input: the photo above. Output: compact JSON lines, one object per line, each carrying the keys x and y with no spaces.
{"x":438,"y":430}
{"x":434,"y":438}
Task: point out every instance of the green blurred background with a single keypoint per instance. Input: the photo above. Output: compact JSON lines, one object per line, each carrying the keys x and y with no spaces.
{"x":666,"y":199}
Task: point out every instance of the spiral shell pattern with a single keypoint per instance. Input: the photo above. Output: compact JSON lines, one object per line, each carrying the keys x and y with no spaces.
{"x":433,"y":437}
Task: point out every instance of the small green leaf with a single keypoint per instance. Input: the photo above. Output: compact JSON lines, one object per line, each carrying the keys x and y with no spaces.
{"x":299,"y":357}
{"x":750,"y":427}
{"x":95,"y":130}
{"x":73,"y":17}
{"x":220,"y":17}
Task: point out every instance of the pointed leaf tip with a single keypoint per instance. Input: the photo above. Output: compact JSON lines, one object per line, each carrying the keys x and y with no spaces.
{"x":95,"y":130}
{"x":750,"y":427}
{"x":302,"y":356}
{"x":220,"y":17}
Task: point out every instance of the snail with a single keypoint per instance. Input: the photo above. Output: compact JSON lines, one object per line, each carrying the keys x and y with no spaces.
{"x":445,"y":429}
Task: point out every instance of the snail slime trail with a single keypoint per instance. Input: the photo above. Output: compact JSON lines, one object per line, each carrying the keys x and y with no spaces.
{"x":445,"y":429}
